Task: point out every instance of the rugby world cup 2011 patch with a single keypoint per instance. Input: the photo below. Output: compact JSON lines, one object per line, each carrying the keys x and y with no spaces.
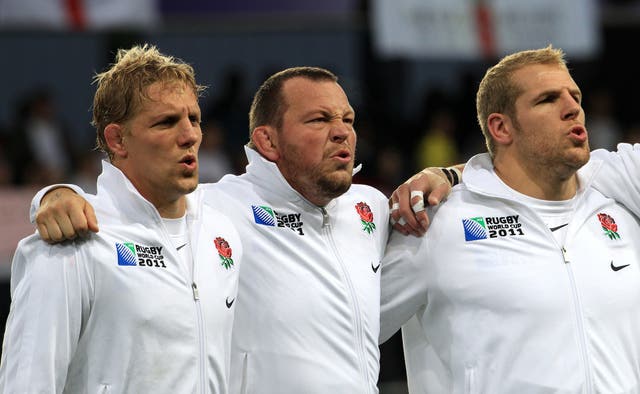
{"x":481,"y":227}
{"x":132,"y":254}
{"x":267,"y":216}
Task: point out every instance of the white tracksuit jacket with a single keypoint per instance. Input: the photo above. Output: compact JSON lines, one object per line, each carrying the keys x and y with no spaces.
{"x":307,"y":313}
{"x":499,"y":306}
{"x":118,"y":313}
{"x":308,"y":307}
{"x":619,"y":176}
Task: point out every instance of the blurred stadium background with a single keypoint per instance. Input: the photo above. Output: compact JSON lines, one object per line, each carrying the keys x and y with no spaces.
{"x":410,"y":68}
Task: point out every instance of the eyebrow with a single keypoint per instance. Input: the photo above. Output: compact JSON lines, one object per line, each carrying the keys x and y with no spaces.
{"x":557,"y":91}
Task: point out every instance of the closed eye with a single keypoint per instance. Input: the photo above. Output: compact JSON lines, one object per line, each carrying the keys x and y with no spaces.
{"x":323,"y":119}
{"x":167,"y":121}
{"x":548,"y":98}
{"x":195,"y":120}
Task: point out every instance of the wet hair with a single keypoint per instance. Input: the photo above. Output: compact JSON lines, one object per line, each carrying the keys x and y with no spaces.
{"x":122,"y":88}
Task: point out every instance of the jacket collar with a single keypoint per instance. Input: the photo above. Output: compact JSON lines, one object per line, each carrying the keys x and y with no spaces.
{"x":125,"y":200}
{"x":266,"y":175}
{"x":479,"y":176}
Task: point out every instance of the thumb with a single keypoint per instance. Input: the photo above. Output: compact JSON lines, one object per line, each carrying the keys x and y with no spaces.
{"x":439,"y":193}
{"x":92,"y":221}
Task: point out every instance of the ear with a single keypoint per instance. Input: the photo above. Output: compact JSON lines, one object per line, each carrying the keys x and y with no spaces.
{"x":114,"y":137}
{"x":500,"y":128}
{"x":265,"y":138}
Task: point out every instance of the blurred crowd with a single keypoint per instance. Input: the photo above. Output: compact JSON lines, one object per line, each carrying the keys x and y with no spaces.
{"x":38,"y":146}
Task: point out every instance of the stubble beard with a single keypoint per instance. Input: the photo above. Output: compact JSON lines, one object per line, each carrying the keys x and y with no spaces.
{"x":548,"y":157}
{"x":321,"y":183}
{"x":334,"y":185}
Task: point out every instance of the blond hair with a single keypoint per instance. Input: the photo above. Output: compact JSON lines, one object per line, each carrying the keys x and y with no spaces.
{"x":122,"y":88}
{"x":497,"y":92}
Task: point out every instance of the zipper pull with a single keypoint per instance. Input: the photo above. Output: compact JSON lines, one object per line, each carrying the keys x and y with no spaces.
{"x":325,"y":217}
{"x":194,"y":287}
{"x":564,"y":255}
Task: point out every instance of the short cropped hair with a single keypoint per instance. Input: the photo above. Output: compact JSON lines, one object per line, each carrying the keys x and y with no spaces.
{"x":122,"y":87}
{"x":497,"y":92}
{"x":269,"y":105}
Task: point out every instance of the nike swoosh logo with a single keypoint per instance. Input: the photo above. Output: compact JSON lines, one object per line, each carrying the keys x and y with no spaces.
{"x":558,"y":227}
{"x":619,"y":267}
{"x":376,"y":268}
{"x":181,"y":246}
{"x":229,"y":303}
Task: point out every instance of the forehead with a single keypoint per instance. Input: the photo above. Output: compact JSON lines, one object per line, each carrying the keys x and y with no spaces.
{"x":305,"y":94}
{"x":542,"y":77}
{"x":168,"y":94}
{"x":161,"y":90}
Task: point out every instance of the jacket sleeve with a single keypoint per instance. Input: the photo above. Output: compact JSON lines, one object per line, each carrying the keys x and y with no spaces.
{"x":43,"y":327}
{"x":619,"y":176}
{"x":403,"y":284}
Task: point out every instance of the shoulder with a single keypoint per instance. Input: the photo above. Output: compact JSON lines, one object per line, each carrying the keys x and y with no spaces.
{"x":368,"y":192}
{"x":230,"y":187}
{"x":220,"y":221}
{"x":42,"y":260}
{"x":364,"y":195}
{"x":362,"y":188}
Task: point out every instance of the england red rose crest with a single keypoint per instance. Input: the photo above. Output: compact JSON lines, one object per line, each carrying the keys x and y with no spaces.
{"x":224,"y":251}
{"x":609,"y":226}
{"x":366,"y":217}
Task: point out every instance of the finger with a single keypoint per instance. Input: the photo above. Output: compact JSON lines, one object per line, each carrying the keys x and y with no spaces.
{"x":394,"y":205}
{"x":419,"y":204}
{"x":92,"y":220}
{"x":55,"y":234}
{"x":66,"y":227}
{"x":423,"y":219}
{"x":78,"y":223}
{"x":417,"y":198}
{"x":439,"y":194}
{"x":394,"y":214}
{"x":400,"y":229}
{"x":407,"y":212}
{"x":409,"y":224}
{"x":44,"y":233}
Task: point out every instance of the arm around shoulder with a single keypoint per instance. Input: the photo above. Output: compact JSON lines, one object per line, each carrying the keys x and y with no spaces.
{"x":62,"y":213}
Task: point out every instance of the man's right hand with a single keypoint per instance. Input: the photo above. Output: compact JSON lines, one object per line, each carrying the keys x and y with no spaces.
{"x":65,"y":215}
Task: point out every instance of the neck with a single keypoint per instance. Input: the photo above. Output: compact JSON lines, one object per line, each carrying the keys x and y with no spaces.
{"x":172,"y":210}
{"x":541,"y":183}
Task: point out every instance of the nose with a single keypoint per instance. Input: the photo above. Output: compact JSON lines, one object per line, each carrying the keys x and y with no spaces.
{"x":340,"y":131}
{"x":573,"y":107}
{"x":190,"y":133}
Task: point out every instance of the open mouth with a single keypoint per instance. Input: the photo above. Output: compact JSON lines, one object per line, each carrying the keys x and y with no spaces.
{"x":343,"y":154}
{"x":578,"y":133}
{"x":189,"y":161}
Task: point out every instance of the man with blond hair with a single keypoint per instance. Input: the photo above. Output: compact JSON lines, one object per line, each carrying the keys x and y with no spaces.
{"x":145,"y":305}
{"x":528,"y":279}
{"x":308,"y":305}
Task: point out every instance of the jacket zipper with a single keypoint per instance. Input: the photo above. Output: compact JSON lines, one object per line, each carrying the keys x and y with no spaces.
{"x":199,"y":318}
{"x":326,"y":227}
{"x":580,"y":321}
{"x":196,"y":299}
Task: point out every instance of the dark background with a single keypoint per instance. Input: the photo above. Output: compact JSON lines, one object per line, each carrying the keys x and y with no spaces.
{"x":233,"y":45}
